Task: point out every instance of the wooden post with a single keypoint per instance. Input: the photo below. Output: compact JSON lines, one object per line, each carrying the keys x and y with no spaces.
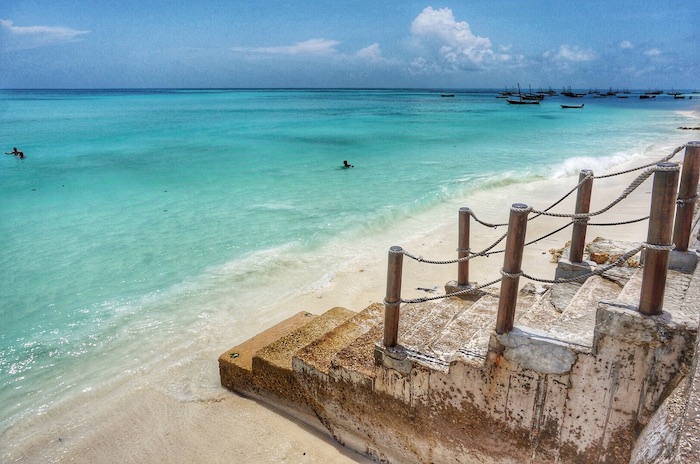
{"x":393,"y":296}
{"x":463,"y":247}
{"x":517,"y":225}
{"x":663,"y":199}
{"x":583,"y":204}
{"x":687,"y":192}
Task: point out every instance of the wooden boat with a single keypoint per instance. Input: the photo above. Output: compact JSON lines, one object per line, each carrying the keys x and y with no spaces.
{"x":572,"y":106}
{"x":524,"y":99}
{"x":570,"y":94}
{"x":521,"y":101}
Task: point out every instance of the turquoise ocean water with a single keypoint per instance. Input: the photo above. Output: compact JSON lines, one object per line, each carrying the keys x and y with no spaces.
{"x":140,"y":220}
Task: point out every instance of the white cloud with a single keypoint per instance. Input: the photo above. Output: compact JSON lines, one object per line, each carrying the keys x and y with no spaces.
{"x":653,"y":52}
{"x":626,"y":44}
{"x":451,"y":43}
{"x":308,"y":47}
{"x":567,"y":53}
{"x":24,"y":37}
{"x":372,"y":52}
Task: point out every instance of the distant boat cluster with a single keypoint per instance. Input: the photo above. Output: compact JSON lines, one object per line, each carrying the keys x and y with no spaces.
{"x":518,"y":97}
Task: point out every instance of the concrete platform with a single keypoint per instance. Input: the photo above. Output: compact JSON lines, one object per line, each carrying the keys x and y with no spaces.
{"x":576,"y":380}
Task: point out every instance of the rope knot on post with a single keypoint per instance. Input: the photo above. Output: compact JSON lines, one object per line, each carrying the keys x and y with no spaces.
{"x":682,"y":201}
{"x":666,"y":167}
{"x":512,"y":275}
{"x":520,"y":208}
{"x":652,"y":246}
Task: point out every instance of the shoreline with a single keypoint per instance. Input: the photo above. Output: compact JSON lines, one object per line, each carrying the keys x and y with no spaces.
{"x":151,"y":424}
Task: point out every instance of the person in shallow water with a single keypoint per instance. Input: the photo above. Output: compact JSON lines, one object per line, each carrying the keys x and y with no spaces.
{"x":15,"y":152}
{"x":347,"y":165}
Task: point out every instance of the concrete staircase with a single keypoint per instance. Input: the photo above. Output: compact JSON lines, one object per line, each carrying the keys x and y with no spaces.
{"x":454,"y":391}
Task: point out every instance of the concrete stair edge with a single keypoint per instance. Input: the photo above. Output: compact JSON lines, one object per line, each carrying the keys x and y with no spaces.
{"x":316,"y":357}
{"x":235,"y":365}
{"x":464,"y":327}
{"x":576,"y":324}
{"x":442,"y":315}
{"x":355,"y":363}
{"x":272,"y":365}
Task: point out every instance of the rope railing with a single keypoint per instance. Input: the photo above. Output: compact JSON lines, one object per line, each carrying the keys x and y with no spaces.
{"x":619,"y":262}
{"x":657,"y":246}
{"x":574,"y":216}
{"x":638,"y":168}
{"x":582,"y":181}
{"x":631,"y":188}
{"x":620,"y":223}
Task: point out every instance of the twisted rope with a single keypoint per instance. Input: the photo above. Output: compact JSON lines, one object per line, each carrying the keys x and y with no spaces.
{"x":484,"y":252}
{"x":631,"y":188}
{"x":576,"y":187}
{"x":576,"y":218}
{"x":431,"y":298}
{"x":549,"y":234}
{"x":621,"y":260}
{"x":662,"y":160}
{"x":540,"y":213}
{"x":493,"y":226}
{"x":621,"y":223}
{"x":600,"y":271}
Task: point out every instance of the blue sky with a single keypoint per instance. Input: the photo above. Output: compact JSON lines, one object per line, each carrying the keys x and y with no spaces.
{"x":354,"y":43}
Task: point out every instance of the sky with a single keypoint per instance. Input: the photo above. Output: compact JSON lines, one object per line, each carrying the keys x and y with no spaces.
{"x":632,"y":44}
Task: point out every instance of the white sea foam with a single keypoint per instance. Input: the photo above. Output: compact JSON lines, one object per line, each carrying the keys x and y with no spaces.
{"x":573,"y":166}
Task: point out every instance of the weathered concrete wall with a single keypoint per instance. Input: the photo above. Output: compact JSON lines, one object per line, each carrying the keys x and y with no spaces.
{"x":657,"y":443}
{"x":532,"y":399}
{"x":671,"y":436}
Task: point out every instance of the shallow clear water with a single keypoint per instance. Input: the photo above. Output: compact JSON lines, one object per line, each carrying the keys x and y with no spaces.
{"x":139,"y":216}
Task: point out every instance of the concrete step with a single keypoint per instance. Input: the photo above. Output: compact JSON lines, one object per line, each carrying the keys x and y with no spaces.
{"x":543,"y":312}
{"x":436,"y":318}
{"x":678,"y":284}
{"x":483,"y":323}
{"x":630,"y":293}
{"x":316,"y":357}
{"x":576,"y":324}
{"x":418,"y":324}
{"x":561,"y":295}
{"x":416,"y":319}
{"x":272,"y":365}
{"x":355,"y":363}
{"x":567,"y":311}
{"x":465,"y":326}
{"x":236,"y":365}
{"x":689,"y":311}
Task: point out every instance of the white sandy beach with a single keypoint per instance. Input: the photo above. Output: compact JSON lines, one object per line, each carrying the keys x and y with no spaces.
{"x":214,"y":425}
